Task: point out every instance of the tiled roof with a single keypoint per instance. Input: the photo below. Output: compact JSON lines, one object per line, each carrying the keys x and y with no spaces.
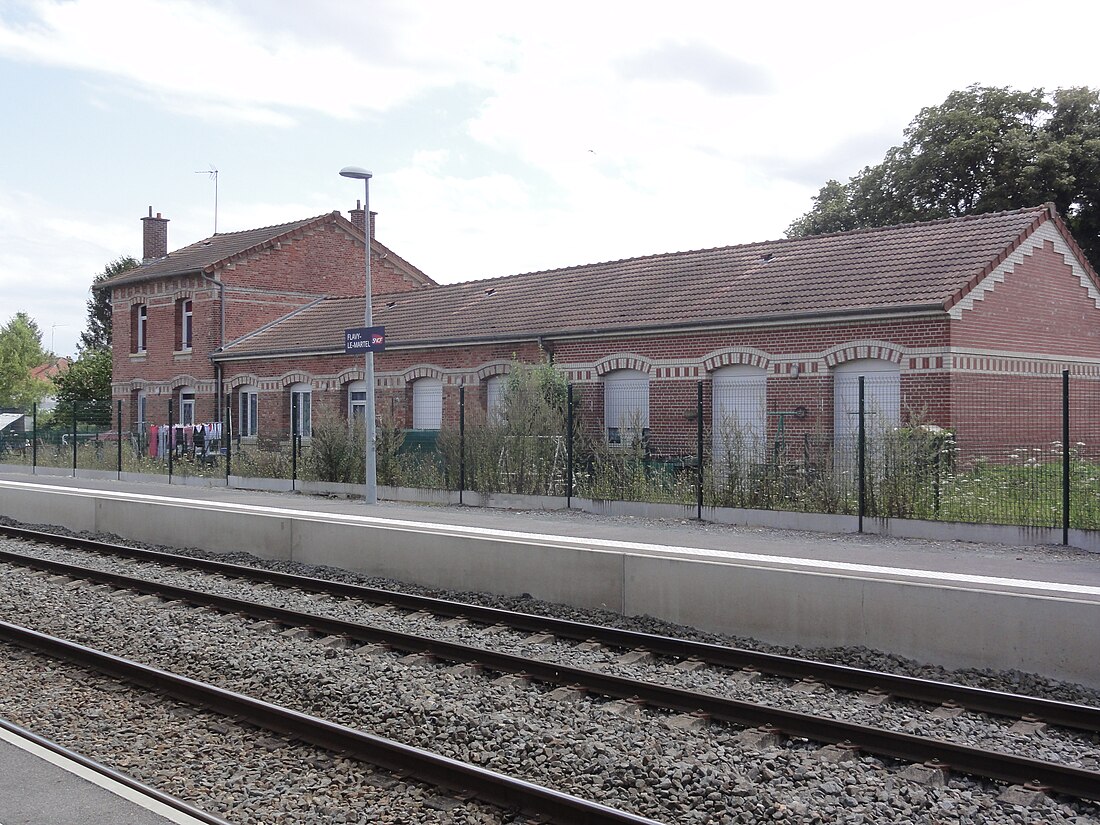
{"x":52,"y":369}
{"x":908,"y":267}
{"x":206,"y":254}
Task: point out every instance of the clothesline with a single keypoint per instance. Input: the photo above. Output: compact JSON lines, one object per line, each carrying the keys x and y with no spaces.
{"x":163,"y":438}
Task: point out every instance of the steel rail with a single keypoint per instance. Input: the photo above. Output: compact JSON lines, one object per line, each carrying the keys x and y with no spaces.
{"x":432,"y":768}
{"x":995,"y":765}
{"x":1065,"y":714}
{"x":115,"y":776}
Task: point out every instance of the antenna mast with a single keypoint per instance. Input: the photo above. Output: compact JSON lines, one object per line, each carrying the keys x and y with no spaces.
{"x":213,"y":173}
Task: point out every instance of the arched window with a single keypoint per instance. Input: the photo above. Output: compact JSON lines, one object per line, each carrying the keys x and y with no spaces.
{"x":187,"y":406}
{"x":494,"y":392}
{"x":139,"y":328}
{"x":142,"y":408}
{"x":301,"y":403}
{"x":427,"y":403}
{"x":357,"y":402}
{"x":739,"y":410}
{"x":881,"y":399}
{"x":626,"y":406}
{"x":248,"y":421}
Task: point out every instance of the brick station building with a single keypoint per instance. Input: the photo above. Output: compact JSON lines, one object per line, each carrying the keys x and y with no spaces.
{"x":931,"y":313}
{"x":172,"y":313}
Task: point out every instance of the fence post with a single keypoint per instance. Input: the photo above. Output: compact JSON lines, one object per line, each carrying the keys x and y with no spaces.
{"x":34,"y":438}
{"x":1065,"y":457}
{"x":699,"y":450}
{"x":293,"y":440}
{"x":119,"y":433}
{"x":569,"y":446}
{"x":461,"y":441}
{"x":74,"y":439}
{"x":170,"y":441}
{"x":861,"y":452}
{"x":227,"y":431}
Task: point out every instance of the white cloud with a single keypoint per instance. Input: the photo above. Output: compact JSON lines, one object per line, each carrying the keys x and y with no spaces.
{"x":213,"y":62}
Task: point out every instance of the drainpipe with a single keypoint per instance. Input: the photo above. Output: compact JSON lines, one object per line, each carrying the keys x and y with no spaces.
{"x":221,"y":343}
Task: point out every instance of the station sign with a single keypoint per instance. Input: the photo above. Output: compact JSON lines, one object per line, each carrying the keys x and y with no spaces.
{"x":364,"y":339}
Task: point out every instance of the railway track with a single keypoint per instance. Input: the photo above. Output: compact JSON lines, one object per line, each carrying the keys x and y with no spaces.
{"x":465,"y":780}
{"x":1005,"y":767}
{"x":1080,"y":717}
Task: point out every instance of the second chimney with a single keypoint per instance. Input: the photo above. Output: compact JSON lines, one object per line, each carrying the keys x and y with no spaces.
{"x":154,"y":237}
{"x":358,"y":215}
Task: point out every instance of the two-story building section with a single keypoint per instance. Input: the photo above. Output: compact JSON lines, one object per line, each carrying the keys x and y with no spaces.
{"x":176,"y":310}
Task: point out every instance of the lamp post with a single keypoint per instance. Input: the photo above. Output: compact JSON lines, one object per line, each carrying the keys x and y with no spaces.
{"x":370,"y":494}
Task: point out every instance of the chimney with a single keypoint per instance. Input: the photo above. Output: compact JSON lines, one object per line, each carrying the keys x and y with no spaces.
{"x":357,"y":217}
{"x":155,"y":237}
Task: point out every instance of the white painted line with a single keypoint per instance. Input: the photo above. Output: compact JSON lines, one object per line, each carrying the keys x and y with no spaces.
{"x":96,"y":778}
{"x":691,"y":553}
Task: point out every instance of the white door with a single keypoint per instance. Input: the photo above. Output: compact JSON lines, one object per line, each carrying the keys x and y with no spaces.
{"x":427,"y":404}
{"x":881,"y":400}
{"x":626,"y":406}
{"x":739,"y":416}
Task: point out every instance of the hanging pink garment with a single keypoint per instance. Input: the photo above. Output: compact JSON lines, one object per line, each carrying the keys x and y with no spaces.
{"x":152,"y":441}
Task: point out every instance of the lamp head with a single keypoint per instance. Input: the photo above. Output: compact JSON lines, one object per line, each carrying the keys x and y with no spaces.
{"x":356,"y":172}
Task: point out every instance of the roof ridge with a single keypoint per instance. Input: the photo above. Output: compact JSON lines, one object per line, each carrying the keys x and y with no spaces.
{"x":260,"y":228}
{"x":866,"y":230}
{"x":970,"y":216}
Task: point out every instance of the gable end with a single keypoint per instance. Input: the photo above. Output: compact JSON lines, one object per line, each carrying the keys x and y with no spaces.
{"x":1047,"y":232}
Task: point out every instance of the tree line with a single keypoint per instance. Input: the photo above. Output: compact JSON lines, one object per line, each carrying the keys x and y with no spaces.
{"x":984,"y":149}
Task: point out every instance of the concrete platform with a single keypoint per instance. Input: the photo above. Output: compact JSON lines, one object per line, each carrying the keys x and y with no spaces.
{"x":38,"y":785}
{"x":955,"y":604}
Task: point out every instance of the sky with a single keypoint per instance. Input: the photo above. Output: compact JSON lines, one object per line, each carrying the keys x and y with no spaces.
{"x":503,"y":137}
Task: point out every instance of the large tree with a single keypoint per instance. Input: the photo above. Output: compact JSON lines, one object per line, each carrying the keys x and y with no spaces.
{"x":20,"y":352}
{"x":97,"y":334}
{"x":983,"y":149}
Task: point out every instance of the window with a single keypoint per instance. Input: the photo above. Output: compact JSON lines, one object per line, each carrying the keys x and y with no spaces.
{"x":494,"y":393}
{"x":139,"y":316}
{"x":739,"y":423}
{"x":186,"y":323}
{"x":427,"y":404}
{"x":141,"y":407}
{"x":249,"y":420}
{"x":357,"y":401}
{"x":626,"y":406}
{"x":187,"y":407}
{"x":301,"y":400}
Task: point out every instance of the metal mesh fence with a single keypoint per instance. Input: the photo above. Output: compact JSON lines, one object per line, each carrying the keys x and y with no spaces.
{"x":987,"y":449}
{"x":1084,"y":451}
{"x":1004,"y":459}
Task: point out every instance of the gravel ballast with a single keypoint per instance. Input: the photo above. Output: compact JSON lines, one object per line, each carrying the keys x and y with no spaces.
{"x":645,"y":762}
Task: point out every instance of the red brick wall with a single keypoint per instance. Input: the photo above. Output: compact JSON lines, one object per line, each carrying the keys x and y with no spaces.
{"x":259,"y":289}
{"x":1041,"y":307}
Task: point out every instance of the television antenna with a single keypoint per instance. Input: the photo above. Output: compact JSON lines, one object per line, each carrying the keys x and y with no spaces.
{"x":213,"y":173}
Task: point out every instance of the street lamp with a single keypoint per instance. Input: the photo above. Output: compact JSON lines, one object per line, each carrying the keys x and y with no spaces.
{"x":370,"y":494}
